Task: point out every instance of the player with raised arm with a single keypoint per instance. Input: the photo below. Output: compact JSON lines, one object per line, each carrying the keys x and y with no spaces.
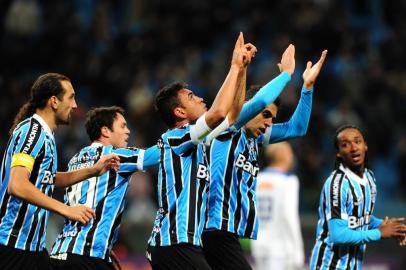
{"x":183,"y":176}
{"x":89,"y":247}
{"x":347,"y":200}
{"x":234,"y":167}
{"x":28,"y":174}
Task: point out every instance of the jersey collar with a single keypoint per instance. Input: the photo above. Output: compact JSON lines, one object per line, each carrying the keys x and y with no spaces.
{"x":43,"y":124}
{"x":350,"y":174}
{"x":96,"y":144}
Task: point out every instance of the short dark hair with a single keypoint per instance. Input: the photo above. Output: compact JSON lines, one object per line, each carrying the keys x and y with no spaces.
{"x":338,"y":160}
{"x":166,"y":99}
{"x":100,"y":117}
{"x":253,"y":89}
{"x":44,"y":87}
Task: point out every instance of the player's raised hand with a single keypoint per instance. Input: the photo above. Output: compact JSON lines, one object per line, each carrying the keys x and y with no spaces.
{"x":251,"y":50}
{"x":240,"y":54}
{"x":105,"y":163}
{"x":312,"y":71}
{"x":288,"y":60}
{"x":80,"y":213}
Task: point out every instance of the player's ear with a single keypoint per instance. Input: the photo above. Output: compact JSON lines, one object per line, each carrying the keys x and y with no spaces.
{"x":179,"y":112}
{"x":105,"y":132}
{"x":53,"y":102}
{"x":366,"y":147}
{"x":338,"y":155}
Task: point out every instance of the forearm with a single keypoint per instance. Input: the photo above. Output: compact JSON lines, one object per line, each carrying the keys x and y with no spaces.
{"x":66,"y":179}
{"x":297,"y":124}
{"x":375,"y":222}
{"x":22,"y":188}
{"x":224,"y":99}
{"x":340,"y":234}
{"x":265,"y":96}
{"x":239,"y":98}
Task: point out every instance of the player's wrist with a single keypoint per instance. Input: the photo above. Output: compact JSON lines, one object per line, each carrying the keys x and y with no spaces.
{"x":308,"y":84}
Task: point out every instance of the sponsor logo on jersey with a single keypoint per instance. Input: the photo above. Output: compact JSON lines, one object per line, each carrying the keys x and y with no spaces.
{"x":246,"y":165}
{"x":31,"y":137}
{"x":48,"y":178}
{"x":202,"y":172}
{"x":336,"y":190}
{"x":355,"y":222}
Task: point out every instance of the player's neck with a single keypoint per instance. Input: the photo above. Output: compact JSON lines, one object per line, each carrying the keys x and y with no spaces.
{"x":280,"y":167}
{"x":48,"y":117}
{"x":102,"y":141}
{"x":180,"y":123}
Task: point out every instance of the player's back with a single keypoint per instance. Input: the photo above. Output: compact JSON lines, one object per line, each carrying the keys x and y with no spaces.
{"x":276,"y":191}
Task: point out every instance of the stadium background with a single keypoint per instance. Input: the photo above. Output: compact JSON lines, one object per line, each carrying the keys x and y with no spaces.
{"x":120,"y":52}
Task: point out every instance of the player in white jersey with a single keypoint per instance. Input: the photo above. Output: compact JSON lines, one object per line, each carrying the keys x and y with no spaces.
{"x":279,"y":245}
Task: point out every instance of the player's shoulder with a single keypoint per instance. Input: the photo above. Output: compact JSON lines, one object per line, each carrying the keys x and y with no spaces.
{"x":176,"y":132}
{"x":337,"y":176}
{"x":370,"y":174}
{"x":88,"y":153}
{"x":29,"y":125}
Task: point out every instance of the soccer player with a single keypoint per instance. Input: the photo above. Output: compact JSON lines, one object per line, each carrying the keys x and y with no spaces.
{"x":28,"y":174}
{"x":183,"y":177}
{"x":279,"y":245}
{"x":234,"y":167}
{"x":89,"y":247}
{"x":346,"y":221}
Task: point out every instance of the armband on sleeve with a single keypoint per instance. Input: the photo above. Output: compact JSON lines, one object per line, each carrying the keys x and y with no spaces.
{"x":140,"y":160}
{"x":22,"y":159}
{"x":217,"y":131}
{"x":200,"y":130}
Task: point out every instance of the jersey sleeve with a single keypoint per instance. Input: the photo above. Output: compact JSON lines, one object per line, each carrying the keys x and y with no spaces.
{"x":265,"y":96}
{"x":131,"y":159}
{"x":183,"y":139}
{"x":375,"y":222}
{"x":151,"y":157}
{"x":340,"y":234}
{"x":32,"y":140}
{"x":297,"y":124}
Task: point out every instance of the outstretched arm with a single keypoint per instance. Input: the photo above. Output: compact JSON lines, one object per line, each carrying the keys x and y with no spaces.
{"x":225,"y":97}
{"x":298,"y":123}
{"x":105,"y":163}
{"x":239,"y":99}
{"x":267,"y":94}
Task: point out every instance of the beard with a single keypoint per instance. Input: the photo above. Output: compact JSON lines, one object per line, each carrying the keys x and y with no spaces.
{"x":63,"y":121}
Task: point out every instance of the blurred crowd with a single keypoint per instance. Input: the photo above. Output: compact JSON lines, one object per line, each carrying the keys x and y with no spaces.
{"x":120,"y":52}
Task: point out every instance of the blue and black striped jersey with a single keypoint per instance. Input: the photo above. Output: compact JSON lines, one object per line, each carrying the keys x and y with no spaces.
{"x":106,"y":195}
{"x":234,"y":168}
{"x":32,"y":145}
{"x":348,"y":197}
{"x":182,"y":189}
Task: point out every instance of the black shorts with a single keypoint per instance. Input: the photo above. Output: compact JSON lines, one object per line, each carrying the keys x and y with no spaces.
{"x":16,"y":259}
{"x":80,"y":262}
{"x":223,"y":251}
{"x":181,"y":256}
